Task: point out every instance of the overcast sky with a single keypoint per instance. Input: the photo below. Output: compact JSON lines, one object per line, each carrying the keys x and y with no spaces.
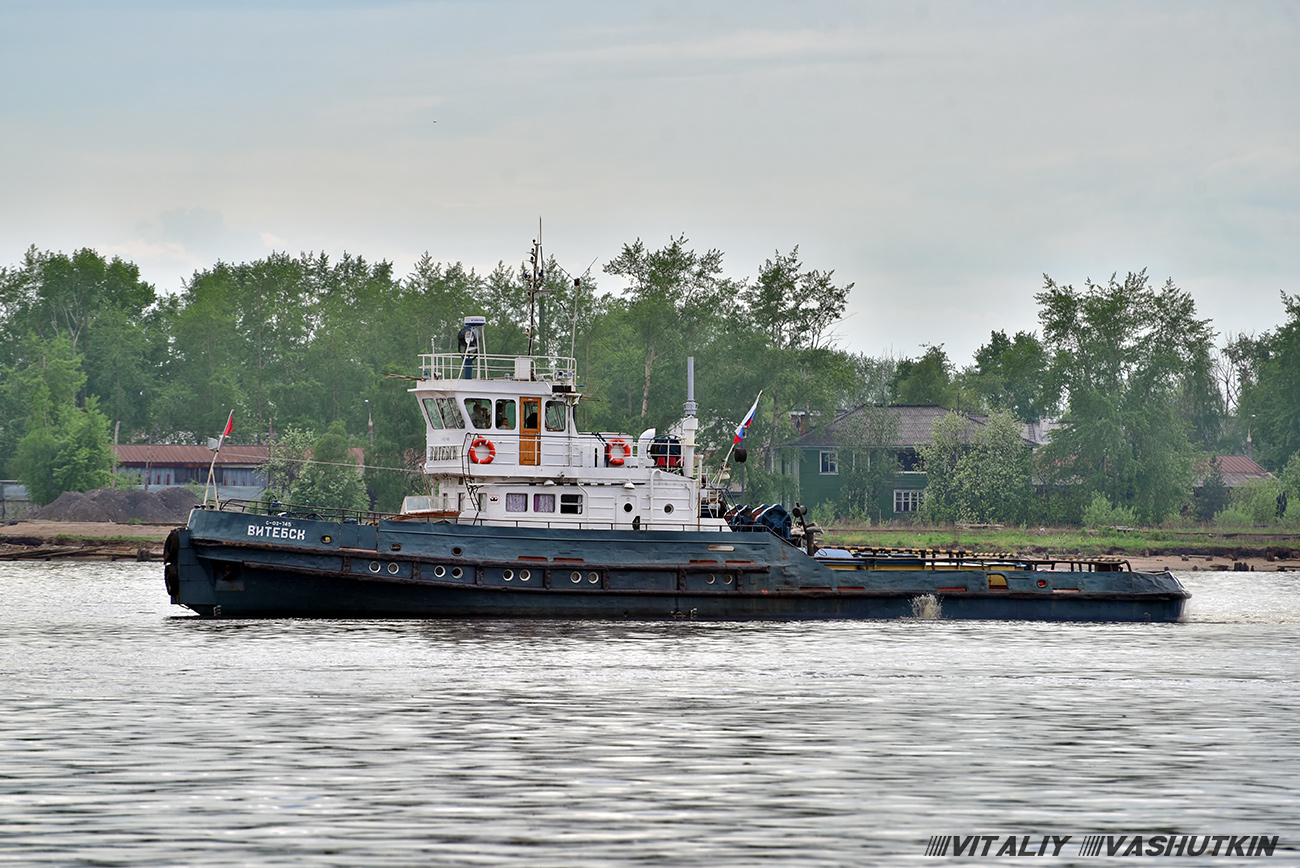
{"x":940,"y":156}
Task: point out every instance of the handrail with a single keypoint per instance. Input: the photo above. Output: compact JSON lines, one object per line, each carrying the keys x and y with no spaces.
{"x":275,"y":509}
{"x":480,"y":366}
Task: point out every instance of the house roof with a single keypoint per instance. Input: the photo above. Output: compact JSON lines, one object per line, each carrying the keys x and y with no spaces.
{"x":170,"y":455}
{"x":1236,"y":470}
{"x":915,"y":426}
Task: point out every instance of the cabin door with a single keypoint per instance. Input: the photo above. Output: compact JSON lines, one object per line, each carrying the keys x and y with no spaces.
{"x":530,"y":431}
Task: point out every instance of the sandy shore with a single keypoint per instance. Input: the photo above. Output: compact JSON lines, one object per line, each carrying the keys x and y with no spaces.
{"x":82,"y":540}
{"x":50,"y":530}
{"x":1192,"y":563}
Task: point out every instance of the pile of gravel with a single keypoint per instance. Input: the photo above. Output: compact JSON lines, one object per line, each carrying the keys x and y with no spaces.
{"x":163,"y":506}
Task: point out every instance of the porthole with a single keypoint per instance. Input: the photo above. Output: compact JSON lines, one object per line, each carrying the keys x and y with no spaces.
{"x":456,"y":551}
{"x":594,"y":578}
{"x":575,"y":577}
{"x":397,"y":547}
{"x":457,"y":572}
{"x":440,"y":571}
{"x":393,"y":568}
{"x":668,"y":508}
{"x":374,"y":566}
{"x":508,"y":575}
{"x":327,"y":539}
{"x":524,"y":575}
{"x":627,"y":507}
{"x":1042,"y":584}
{"x":726,"y":579}
{"x":711,"y":579}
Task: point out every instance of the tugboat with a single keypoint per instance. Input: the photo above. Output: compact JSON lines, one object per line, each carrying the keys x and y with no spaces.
{"x":527,"y":517}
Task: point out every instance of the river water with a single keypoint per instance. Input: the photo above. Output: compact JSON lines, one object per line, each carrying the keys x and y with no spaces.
{"x":133,"y":734}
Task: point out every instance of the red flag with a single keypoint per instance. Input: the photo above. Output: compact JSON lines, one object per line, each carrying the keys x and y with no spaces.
{"x":230,"y":425}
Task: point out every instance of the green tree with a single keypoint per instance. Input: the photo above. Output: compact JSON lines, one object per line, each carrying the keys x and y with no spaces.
{"x":63,"y":447}
{"x":332,"y":478}
{"x":976,"y":473}
{"x":927,"y":380}
{"x":288,"y":456}
{"x":668,"y":292}
{"x":1120,"y":357}
{"x":794,"y":309}
{"x":1011,"y":373}
{"x":1270,"y":395}
{"x":1213,"y":495}
{"x":1290,"y":477}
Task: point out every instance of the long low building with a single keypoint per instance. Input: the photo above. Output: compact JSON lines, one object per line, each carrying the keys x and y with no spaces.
{"x":163,"y":466}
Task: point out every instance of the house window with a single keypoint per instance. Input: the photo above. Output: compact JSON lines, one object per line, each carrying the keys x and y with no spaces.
{"x":830,"y":462}
{"x":516,"y":503}
{"x":570,"y":504}
{"x":907,"y":499}
{"x":543,"y":503}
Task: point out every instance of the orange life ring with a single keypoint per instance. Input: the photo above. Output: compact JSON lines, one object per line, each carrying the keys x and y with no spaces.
{"x":473,"y":451}
{"x":612,"y":460}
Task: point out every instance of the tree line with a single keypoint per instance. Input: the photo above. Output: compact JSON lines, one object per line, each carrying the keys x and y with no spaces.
{"x":311,"y":347}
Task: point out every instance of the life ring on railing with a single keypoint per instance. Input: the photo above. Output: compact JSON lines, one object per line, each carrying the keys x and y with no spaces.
{"x":625,"y":451}
{"x":473,"y":451}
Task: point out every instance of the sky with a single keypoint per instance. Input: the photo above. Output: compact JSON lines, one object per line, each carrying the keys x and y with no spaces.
{"x":940,"y":156}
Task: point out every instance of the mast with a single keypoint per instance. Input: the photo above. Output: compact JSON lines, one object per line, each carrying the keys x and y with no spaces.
{"x":535,"y":278}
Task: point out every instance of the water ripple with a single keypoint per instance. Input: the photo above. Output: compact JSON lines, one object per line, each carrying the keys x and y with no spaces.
{"x":133,"y":735}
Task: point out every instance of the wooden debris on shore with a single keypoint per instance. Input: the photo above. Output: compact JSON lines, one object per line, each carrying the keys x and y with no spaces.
{"x":87,"y":550}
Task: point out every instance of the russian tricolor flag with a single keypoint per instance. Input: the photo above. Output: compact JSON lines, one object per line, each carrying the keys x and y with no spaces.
{"x":749,"y":417}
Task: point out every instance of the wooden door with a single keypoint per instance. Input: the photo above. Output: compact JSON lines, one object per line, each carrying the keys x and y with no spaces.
{"x":530,"y":431}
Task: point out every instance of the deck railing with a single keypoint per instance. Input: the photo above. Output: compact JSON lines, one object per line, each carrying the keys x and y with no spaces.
{"x":289,"y":510}
{"x":477,"y":366}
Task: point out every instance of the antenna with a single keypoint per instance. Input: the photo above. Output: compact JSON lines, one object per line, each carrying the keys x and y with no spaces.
{"x":577,"y":284}
{"x":538,"y":262}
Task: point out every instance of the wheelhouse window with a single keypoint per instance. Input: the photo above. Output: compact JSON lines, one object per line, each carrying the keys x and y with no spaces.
{"x":570,"y":504}
{"x":432,"y":413}
{"x":830,"y":462}
{"x":557,"y":416}
{"x":516,"y":502}
{"x":443,"y":413}
{"x":480,"y":412}
{"x":505,"y":418}
{"x":907,"y":499}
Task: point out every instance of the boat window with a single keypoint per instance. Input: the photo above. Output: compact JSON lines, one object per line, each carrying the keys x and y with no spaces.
{"x":480,"y":412}
{"x":571,"y":504}
{"x":543,"y":503}
{"x":516,"y":502}
{"x":530,"y":415}
{"x":432,"y":412}
{"x":451,"y":417}
{"x":557,"y":416}
{"x":506,"y":414}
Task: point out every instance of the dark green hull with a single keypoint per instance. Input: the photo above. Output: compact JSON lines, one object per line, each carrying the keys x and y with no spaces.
{"x":227,"y":564}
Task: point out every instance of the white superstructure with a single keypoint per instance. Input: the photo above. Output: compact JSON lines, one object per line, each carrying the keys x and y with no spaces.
{"x":502,"y":448}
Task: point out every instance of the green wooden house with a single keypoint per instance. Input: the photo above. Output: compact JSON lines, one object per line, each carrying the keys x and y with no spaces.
{"x":821,"y":458}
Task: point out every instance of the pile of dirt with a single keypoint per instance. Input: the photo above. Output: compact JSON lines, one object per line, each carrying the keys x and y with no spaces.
{"x":164,"y":506}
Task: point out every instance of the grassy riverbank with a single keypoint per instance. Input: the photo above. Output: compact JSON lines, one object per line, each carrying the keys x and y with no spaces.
{"x":1138,"y":542}
{"x":1203,"y":548}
